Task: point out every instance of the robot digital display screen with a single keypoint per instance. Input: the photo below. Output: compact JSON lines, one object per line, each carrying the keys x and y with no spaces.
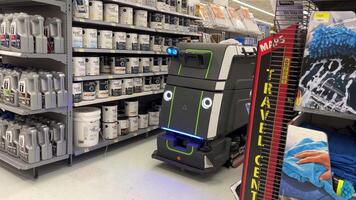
{"x":196,"y":60}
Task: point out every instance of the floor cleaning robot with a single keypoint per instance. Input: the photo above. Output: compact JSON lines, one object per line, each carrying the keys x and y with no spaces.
{"x":206,"y":100}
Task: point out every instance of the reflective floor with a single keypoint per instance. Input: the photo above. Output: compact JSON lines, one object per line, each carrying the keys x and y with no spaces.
{"x":123,"y":172}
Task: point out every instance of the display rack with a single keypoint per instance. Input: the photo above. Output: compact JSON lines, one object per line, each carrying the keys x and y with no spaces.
{"x":52,"y":8}
{"x":113,"y":76}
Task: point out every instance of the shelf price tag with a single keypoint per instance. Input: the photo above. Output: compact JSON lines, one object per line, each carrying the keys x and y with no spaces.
{"x":321,"y":16}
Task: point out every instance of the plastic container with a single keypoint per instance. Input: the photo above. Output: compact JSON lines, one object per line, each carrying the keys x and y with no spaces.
{"x":79,"y":66}
{"x":111,"y":13}
{"x":131,"y":108}
{"x":141,"y":18}
{"x":156,"y":20}
{"x":118,"y":65}
{"x":90,"y":38}
{"x":88,"y":90}
{"x":156,"y":83}
{"x":77,"y":90}
{"x":138,"y":85}
{"x":119,"y":40}
{"x":144,"y":42}
{"x":110,"y":130}
{"x":147,"y":85}
{"x":96,"y":10}
{"x":102,"y":89}
{"x":133,"y":65}
{"x":115,"y":87}
{"x":142,"y":120}
{"x":105,"y":65}
{"x":77,"y":37}
{"x":156,"y":66}
{"x":123,"y":125}
{"x":153,"y":117}
{"x":109,"y":113}
{"x":127,"y":86}
{"x":132,"y":42}
{"x":92,"y":66}
{"x":133,"y":124}
{"x":126,"y":15}
{"x":86,"y":126}
{"x":145,"y":64}
{"x":105,"y":39}
{"x":81,"y":9}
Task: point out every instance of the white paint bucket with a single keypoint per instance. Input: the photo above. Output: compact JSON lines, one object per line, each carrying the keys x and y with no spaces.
{"x":105,"y":65}
{"x":102,"y":89}
{"x":109,"y":113}
{"x":96,"y":10}
{"x":132,"y":41}
{"x":131,"y":108}
{"x":133,"y":124}
{"x":126,"y":15}
{"x":147,"y":86}
{"x":123,"y":125}
{"x":110,"y":130}
{"x":167,"y":20}
{"x":156,"y":43}
{"x":144,"y":42}
{"x":163,"y":82}
{"x":92,"y":66}
{"x":90,"y":38}
{"x":118,"y":65}
{"x":156,"y":66}
{"x":77,"y":37}
{"x":138,"y":85}
{"x":156,"y":20}
{"x":111,"y":13}
{"x":141,"y":18}
{"x":164,"y":64}
{"x":88,"y":90}
{"x":105,"y":39}
{"x":77,"y":89}
{"x":86,"y":126}
{"x":119,"y":40}
{"x":153,"y":118}
{"x":115,"y":87}
{"x":127,"y":86}
{"x":142,"y":120}
{"x":145,"y":64}
{"x":79,"y":68}
{"x":81,"y":9}
{"x":156,"y":83}
{"x":133,"y":65}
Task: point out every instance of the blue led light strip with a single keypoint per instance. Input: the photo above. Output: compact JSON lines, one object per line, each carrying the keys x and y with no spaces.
{"x":183,"y":133}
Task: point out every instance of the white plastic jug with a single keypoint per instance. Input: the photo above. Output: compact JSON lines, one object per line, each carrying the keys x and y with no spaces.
{"x":37,"y":30}
{"x":59,"y":87}
{"x":54,"y":35}
{"x":29,"y":91}
{"x":47,"y":90}
{"x":9,"y":88}
{"x":20,"y":38}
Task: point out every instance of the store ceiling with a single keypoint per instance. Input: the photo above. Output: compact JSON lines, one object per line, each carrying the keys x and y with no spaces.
{"x":261,"y":4}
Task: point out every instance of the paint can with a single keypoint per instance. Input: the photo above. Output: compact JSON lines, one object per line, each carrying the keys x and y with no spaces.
{"x":131,"y":108}
{"x":145,"y":64}
{"x":79,"y":68}
{"x":156,"y":43}
{"x":138,"y":85}
{"x":123,"y":125}
{"x":181,"y":24}
{"x":173,"y":5}
{"x":105,"y":65}
{"x":81,"y":9}
{"x":115,"y":87}
{"x":109,"y":130}
{"x":186,"y":25}
{"x":119,"y":41}
{"x":153,"y":117}
{"x":77,"y":92}
{"x":141,"y":18}
{"x":156,"y":20}
{"x":86,"y":126}
{"x":111,"y":13}
{"x":167,"y":43}
{"x":92,"y":66}
{"x":133,"y":65}
{"x":164,"y":64}
{"x":90,"y":38}
{"x":88,"y":90}
{"x":179,"y":6}
{"x":163,"y":82}
{"x":132,"y":41}
{"x":156,"y":83}
{"x":144,"y":42}
{"x":109,"y":113}
{"x":126,"y":15}
{"x":174,"y":22}
{"x":143,"y":120}
{"x":167,"y":20}
{"x":96,"y":10}
{"x":102,"y":89}
{"x":156,"y":66}
{"x":133,"y":124}
{"x":127,"y":86}
{"x":105,"y":39}
{"x":118,"y":65}
{"x":147,"y":86}
{"x":77,"y":37}
{"x":161,"y":5}
{"x":184,"y":6}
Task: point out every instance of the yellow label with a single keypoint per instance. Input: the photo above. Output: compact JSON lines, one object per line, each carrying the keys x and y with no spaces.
{"x":285,"y":70}
{"x":322,"y":16}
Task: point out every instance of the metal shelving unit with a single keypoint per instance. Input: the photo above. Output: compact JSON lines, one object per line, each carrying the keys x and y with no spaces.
{"x":111,"y":51}
{"x":122,"y":97}
{"x":25,"y":111}
{"x":113,"y":76}
{"x":62,"y":62}
{"x":104,"y":143}
{"x":150,"y":8}
{"x":57,"y":57}
{"x":81,"y":21}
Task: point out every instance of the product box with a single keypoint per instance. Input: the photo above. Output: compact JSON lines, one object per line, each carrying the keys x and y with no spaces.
{"x":328,"y":81}
{"x":318,"y":160}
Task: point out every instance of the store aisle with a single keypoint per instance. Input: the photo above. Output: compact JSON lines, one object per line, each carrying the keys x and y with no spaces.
{"x":125,"y":172}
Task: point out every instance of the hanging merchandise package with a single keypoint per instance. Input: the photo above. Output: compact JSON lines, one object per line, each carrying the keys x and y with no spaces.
{"x":220,"y":16}
{"x":328,"y":81}
{"x":236,"y":19}
{"x":248,"y":19}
